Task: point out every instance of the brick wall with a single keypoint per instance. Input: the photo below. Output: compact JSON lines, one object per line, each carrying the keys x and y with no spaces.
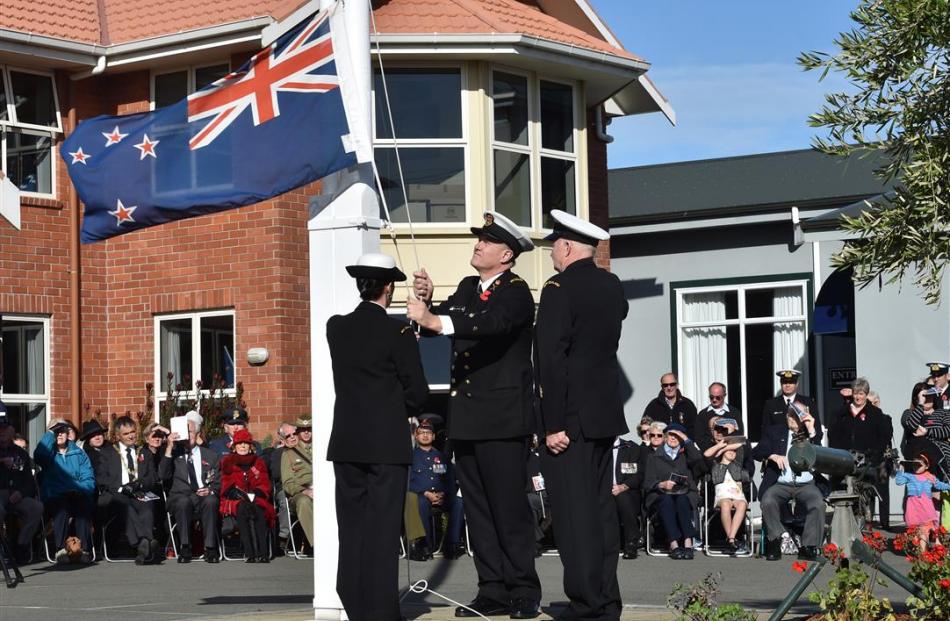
{"x":597,"y":185}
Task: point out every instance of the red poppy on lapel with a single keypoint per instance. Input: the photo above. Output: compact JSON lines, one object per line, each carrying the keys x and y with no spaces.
{"x":484,"y":295}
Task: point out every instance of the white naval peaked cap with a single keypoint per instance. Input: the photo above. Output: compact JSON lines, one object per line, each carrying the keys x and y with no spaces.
{"x":569,"y":226}
{"x":501,"y":229}
{"x":377,"y":266}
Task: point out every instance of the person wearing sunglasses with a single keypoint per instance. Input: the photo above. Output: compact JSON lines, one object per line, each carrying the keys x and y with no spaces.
{"x":655,"y":433}
{"x":718,"y":407}
{"x":643,"y":430}
{"x":670,"y":406}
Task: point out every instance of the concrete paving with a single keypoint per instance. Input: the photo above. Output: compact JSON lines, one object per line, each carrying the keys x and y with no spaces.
{"x":283,"y":590}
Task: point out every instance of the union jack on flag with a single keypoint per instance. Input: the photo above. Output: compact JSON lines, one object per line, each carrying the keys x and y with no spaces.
{"x":274,"y":124}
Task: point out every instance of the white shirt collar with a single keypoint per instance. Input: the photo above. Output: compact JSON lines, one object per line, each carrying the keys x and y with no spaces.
{"x":487,"y":283}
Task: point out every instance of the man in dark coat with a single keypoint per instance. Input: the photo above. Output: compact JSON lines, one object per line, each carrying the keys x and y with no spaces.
{"x":379,"y":383}
{"x":432,"y":480}
{"x":491,"y":413}
{"x":579,"y":392}
{"x":629,"y":460}
{"x":670,"y":406}
{"x":195,"y":490}
{"x":780,"y":484}
{"x":123,"y":478}
{"x":774,"y":409}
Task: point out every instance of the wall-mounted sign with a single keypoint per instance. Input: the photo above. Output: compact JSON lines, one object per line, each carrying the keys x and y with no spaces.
{"x":841,"y":377}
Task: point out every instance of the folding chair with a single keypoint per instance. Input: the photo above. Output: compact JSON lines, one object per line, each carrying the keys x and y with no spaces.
{"x":708,"y":514}
{"x":172,"y":528}
{"x":48,"y":534}
{"x":295,"y":522}
{"x":650,"y":536}
{"x":235,"y":534}
{"x":105,"y":544}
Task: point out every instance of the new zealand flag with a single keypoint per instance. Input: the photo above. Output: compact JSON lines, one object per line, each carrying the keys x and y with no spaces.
{"x":273,"y":125}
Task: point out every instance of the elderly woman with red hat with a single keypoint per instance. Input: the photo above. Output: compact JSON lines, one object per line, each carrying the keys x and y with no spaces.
{"x":245,"y":494}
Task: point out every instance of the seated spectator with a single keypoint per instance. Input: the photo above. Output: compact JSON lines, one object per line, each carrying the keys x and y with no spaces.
{"x":20,"y":440}
{"x":717,"y":408}
{"x":730,"y":476}
{"x":629,"y":465}
{"x":296,"y":473}
{"x":124,"y":477}
{"x":245,"y":495}
{"x":538,"y":498}
{"x":643,"y":430}
{"x":18,"y":492}
{"x":68,"y":488}
{"x":670,"y":406}
{"x":155,"y":438}
{"x":432,"y":480}
{"x":231,"y":421}
{"x":780,"y":484}
{"x":93,"y":438}
{"x":656,"y":435}
{"x":671,"y":489}
{"x":286,"y":438}
{"x":195,"y":488}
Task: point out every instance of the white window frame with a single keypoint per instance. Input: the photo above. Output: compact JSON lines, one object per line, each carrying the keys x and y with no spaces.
{"x":533,"y":149}
{"x":409,"y":143}
{"x":161,"y":394}
{"x":44,"y":397}
{"x":741,"y":321}
{"x":13,"y":125}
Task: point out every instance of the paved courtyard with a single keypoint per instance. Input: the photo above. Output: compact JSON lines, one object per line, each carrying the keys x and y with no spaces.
{"x":283,"y":590}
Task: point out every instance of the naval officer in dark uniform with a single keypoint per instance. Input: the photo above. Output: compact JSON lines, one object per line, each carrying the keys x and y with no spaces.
{"x":490,"y":414}
{"x":379,"y":384}
{"x":775,"y":409}
{"x":579,"y":389}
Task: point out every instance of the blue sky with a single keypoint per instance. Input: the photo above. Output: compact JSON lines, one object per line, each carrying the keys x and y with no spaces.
{"x":728,"y":68}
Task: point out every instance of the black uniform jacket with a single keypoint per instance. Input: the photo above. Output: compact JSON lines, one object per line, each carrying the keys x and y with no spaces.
{"x":490,"y":398}
{"x":176,"y":468}
{"x":775,"y":442}
{"x":869,"y":432}
{"x":109,"y":473}
{"x":631,"y":464}
{"x":19,"y":476}
{"x":377,"y":374}
{"x":774,"y":409}
{"x":682,"y":412}
{"x":576,"y":337}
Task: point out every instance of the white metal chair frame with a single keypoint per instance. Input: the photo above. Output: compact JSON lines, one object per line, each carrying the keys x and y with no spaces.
{"x":708,"y":514}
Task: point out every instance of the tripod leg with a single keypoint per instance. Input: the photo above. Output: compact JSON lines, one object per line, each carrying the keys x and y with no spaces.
{"x":8,"y":564}
{"x":810,"y":574}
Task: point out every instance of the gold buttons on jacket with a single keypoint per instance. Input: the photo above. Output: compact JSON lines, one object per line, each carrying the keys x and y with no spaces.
{"x":453,"y":393}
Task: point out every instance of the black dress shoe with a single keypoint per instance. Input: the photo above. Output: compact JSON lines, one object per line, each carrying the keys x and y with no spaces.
{"x":142,"y":552}
{"x":482,"y":606}
{"x":676,"y":554}
{"x":263,"y":559}
{"x":251,"y":559}
{"x":184,"y":555}
{"x":630,"y":553}
{"x":687,"y":554}
{"x":419,"y":550}
{"x":211,"y":555}
{"x":773,"y":550}
{"x":808,"y":553}
{"x":154,"y":551}
{"x":524,"y":608}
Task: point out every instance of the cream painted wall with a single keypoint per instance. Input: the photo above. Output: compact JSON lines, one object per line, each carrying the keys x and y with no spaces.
{"x":445,"y":251}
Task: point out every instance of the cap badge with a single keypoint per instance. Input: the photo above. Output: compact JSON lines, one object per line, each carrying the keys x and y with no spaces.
{"x":788,"y":374}
{"x":935,"y":367}
{"x":235,"y":415}
{"x":489,"y":219}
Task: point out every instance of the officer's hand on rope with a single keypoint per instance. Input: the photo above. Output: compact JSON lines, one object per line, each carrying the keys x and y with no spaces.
{"x":557,"y":442}
{"x":422,"y":285}
{"x":418,"y":311}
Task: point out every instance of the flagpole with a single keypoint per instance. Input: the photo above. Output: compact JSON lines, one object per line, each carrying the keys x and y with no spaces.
{"x":338,"y":233}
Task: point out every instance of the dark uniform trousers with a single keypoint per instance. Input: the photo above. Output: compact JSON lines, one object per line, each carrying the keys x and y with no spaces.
{"x":29,"y":510}
{"x":586,"y":528}
{"x":138,"y":516}
{"x":628,"y":505}
{"x":369,"y":507}
{"x":184,"y":507}
{"x":492,"y":474}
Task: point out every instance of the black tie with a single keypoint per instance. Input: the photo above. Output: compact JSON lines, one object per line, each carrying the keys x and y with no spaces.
{"x":130,"y":463}
{"x":192,"y":477}
{"x":788,"y":401}
{"x":480,"y":290}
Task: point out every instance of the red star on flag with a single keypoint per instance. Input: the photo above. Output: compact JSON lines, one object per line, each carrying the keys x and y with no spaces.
{"x":147,"y":147}
{"x":79,"y":156}
{"x":115,"y":137}
{"x":122,"y":213}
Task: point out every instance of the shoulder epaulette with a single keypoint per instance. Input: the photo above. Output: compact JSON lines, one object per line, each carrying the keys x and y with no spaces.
{"x":517,"y":279}
{"x":552,"y":282}
{"x":405,"y":328}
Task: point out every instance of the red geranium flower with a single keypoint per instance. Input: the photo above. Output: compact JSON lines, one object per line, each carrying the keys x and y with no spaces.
{"x":800,"y":566}
{"x":945,"y":584}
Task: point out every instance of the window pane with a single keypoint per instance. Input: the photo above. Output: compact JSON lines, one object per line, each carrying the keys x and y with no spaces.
{"x":513,"y":186}
{"x":207,"y":75}
{"x":557,"y":187}
{"x":725,"y":306}
{"x":28,"y":419}
{"x":778,"y":302}
{"x":4,"y":115}
{"x":33,"y":98}
{"x":557,"y":116}
{"x":30,"y":162}
{"x":217,"y":351}
{"x":24,"y":358}
{"x":175,"y":354}
{"x":170,"y":88}
{"x":425,"y":104}
{"x":435,"y":183}
{"x":510,"y":99}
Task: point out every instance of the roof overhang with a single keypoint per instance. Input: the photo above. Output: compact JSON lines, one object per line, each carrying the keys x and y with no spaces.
{"x":616,"y":81}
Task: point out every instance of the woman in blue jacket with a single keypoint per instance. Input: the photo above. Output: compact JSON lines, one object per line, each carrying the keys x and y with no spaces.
{"x":68,"y":488}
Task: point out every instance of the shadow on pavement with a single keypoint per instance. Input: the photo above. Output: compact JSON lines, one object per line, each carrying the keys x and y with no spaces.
{"x":256,"y":599}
